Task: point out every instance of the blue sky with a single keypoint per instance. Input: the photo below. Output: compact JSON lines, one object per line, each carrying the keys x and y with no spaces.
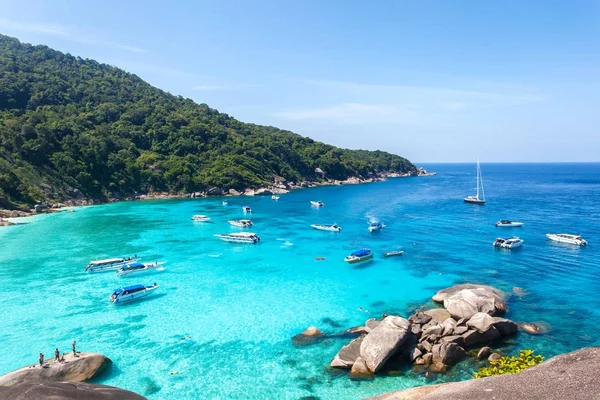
{"x":434,"y":81}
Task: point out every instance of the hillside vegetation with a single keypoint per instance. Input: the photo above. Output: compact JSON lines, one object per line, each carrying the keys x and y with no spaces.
{"x":74,"y":127}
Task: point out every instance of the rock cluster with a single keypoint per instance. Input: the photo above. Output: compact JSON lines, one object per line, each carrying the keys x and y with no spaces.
{"x":435,"y":338}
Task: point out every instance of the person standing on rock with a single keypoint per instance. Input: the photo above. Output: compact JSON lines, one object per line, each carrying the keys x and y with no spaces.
{"x":57,"y":355}
{"x":41,"y":359}
{"x":74,"y":351}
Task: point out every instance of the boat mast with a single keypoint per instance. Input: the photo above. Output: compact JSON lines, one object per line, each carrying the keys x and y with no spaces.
{"x":481,"y":180}
{"x":477,"y":178}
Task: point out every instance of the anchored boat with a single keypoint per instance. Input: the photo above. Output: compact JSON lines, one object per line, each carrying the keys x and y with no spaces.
{"x":359,"y":256}
{"x":393,"y":253}
{"x":475,"y":199}
{"x":200,"y":218}
{"x":317,"y":203}
{"x":274,"y":197}
{"x":567,"y":238}
{"x":130,"y":293}
{"x":110,"y":264}
{"x":508,"y":243}
{"x":505,"y":223}
{"x":240,"y":237}
{"x":241,"y":223}
{"x":246,"y":209}
{"x":138,"y":268}
{"x":329,"y":228}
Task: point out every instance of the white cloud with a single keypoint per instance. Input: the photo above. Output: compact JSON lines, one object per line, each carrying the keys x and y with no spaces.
{"x":67,"y":32}
{"x":353,"y":113}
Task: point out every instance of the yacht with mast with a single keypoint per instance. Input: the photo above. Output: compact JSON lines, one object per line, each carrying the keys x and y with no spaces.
{"x":476,"y":199}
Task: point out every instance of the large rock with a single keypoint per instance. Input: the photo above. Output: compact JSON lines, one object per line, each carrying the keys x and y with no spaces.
{"x":505,"y":326}
{"x":348,"y":354}
{"x":468,"y":302}
{"x":447,"y":353}
{"x":438,"y":314}
{"x":214,"y":191}
{"x":66,"y":391}
{"x":234,"y":192}
{"x":383,"y":341}
{"x":472,"y":338}
{"x":263,"y":192}
{"x":372,"y":323}
{"x":568,"y":376}
{"x":81,"y":368}
{"x":443,"y":294}
{"x":360,"y":371}
{"x":481,"y":321}
{"x":312,"y":331}
{"x":433,"y":330}
{"x":484,"y":353}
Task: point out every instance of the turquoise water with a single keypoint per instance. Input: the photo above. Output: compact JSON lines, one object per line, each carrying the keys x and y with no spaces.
{"x":241,"y":304}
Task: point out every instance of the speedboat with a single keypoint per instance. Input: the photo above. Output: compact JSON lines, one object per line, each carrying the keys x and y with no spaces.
{"x":375,"y":226}
{"x":274,"y":197}
{"x":566,"y":238}
{"x":137,"y":268}
{"x":224,"y":202}
{"x":242,"y":223}
{"x":508,"y":243}
{"x":505,"y":223}
{"x":317,"y":203}
{"x":393,"y":253}
{"x":130,"y":293}
{"x":246,"y":209}
{"x":110,"y":264}
{"x":330,"y":228}
{"x":200,"y":218}
{"x":359,"y":256}
{"x":240,"y":237}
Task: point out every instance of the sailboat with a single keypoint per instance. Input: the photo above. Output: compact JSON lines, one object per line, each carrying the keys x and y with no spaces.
{"x":475,"y":199}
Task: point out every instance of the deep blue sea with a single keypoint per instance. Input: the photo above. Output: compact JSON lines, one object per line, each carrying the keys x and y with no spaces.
{"x":240,"y":305}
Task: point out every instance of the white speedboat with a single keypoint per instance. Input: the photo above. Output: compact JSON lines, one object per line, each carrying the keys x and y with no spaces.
{"x":359,"y":256}
{"x":241,"y":223}
{"x":200,"y":218}
{"x":476,"y":199}
{"x":274,"y":197}
{"x":317,"y":203}
{"x":375,"y":226}
{"x":505,"y":223}
{"x":110,"y":264}
{"x":130,"y":293}
{"x":508,"y":243}
{"x":393,"y":253}
{"x":566,"y":238}
{"x":138,"y":268}
{"x":240,"y":237}
{"x":246,"y":209}
{"x":329,"y":228}
{"x":224,"y":202}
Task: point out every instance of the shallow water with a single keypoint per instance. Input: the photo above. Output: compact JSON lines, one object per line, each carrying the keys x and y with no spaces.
{"x":241,"y":304}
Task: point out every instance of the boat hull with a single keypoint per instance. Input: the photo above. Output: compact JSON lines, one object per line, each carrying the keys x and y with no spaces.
{"x":474,"y":201}
{"x":149,"y":268}
{"x":356,"y":260}
{"x":393,"y":253}
{"x":559,"y":239}
{"x":326,"y":228}
{"x":511,"y":225}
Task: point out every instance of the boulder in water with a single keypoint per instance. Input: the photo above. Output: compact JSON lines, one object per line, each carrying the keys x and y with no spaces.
{"x":468,"y":302}
{"x":66,"y":391}
{"x":481,"y":321}
{"x":443,"y":294}
{"x":360,"y":371}
{"x":447,"y":353}
{"x":438,"y":314}
{"x":383,"y":341}
{"x":348,"y":354}
{"x":78,"y":368}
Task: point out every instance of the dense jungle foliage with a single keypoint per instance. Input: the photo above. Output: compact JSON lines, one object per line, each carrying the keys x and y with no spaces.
{"x":74,"y":127}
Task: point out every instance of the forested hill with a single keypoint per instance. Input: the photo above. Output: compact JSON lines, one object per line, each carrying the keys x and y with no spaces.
{"x":70,"y":125}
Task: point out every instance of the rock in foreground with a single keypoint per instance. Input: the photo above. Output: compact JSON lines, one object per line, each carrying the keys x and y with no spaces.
{"x":568,"y":376}
{"x":66,"y":391}
{"x":75,"y":369}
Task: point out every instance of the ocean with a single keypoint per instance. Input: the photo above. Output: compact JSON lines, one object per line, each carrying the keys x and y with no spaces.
{"x":221,"y":323}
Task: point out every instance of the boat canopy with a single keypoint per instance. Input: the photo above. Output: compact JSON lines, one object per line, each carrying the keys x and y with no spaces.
{"x":505,"y":221}
{"x":376,"y":224}
{"x":132,"y":288}
{"x":107,"y":261}
{"x":361,"y":253}
{"x":135,"y":265}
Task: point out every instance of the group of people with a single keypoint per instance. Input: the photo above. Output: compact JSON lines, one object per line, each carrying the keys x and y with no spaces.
{"x":57,"y":356}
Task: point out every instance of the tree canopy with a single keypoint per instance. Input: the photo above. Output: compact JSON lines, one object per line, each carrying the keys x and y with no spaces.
{"x":74,"y":127}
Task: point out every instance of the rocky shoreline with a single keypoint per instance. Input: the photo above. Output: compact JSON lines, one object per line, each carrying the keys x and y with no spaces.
{"x":279,"y":186}
{"x":432,"y":341}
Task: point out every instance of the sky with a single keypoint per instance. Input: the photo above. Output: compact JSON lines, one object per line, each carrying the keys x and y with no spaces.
{"x":433,"y":81}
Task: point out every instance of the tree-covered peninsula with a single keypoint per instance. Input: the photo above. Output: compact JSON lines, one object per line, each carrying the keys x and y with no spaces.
{"x":72,"y":127}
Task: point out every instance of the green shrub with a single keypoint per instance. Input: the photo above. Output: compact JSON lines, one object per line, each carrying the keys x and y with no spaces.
{"x":510,"y":365}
